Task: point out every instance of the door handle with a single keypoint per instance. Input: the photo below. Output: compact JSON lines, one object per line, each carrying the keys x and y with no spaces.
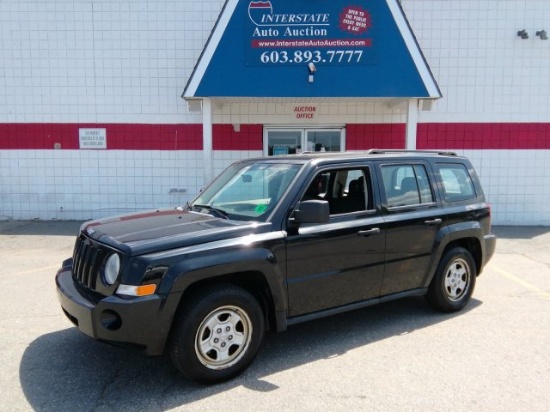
{"x":433,"y":222}
{"x":373,"y":231}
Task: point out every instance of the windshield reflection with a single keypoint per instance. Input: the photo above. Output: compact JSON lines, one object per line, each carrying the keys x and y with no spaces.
{"x":246,"y":191}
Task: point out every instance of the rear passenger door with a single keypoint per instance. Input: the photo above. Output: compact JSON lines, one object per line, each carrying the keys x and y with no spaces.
{"x":413,"y":220}
{"x":341,"y":261}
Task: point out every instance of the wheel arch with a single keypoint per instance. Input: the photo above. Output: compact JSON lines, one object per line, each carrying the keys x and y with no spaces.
{"x":472,"y":245}
{"x":467,"y":237}
{"x":253,"y":281}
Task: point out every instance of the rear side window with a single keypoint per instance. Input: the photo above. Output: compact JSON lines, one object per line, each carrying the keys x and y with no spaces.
{"x":457,"y":182}
{"x":406,"y":185}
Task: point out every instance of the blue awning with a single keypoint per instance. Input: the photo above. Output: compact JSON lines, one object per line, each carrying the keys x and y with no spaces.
{"x":312,"y":49}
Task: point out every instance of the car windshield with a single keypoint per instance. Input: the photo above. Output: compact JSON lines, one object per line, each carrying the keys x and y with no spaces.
{"x":246,"y":191}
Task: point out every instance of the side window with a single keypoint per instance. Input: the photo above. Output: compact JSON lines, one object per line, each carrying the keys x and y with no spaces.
{"x":318,"y":187}
{"x":457,"y":182}
{"x":406,"y":185}
{"x":346,"y":190}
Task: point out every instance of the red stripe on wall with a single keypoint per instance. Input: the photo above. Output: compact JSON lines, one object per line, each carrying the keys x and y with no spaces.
{"x":379,"y":136}
{"x":483,"y":136}
{"x":119,"y":136}
{"x":248,"y":137}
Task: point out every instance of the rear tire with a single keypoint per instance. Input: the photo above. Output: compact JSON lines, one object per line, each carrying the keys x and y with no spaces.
{"x":217,"y":334}
{"x":454,"y":281}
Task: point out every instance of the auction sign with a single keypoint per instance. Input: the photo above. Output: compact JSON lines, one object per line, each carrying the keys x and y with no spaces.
{"x":312,"y":48}
{"x":318,"y":32}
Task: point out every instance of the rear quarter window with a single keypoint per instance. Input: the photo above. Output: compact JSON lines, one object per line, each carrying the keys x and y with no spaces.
{"x":457,"y":182}
{"x":406,"y":185}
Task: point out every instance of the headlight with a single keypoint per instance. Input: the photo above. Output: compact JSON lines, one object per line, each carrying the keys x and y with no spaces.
{"x":112,"y":267}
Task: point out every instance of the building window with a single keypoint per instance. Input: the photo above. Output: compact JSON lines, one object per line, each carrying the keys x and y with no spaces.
{"x":281,"y":141}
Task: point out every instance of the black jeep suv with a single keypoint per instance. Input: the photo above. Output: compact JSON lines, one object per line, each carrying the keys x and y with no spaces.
{"x":276,"y":241}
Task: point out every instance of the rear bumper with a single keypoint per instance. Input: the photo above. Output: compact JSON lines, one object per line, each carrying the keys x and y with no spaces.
{"x":490,"y":241}
{"x":132,"y":322}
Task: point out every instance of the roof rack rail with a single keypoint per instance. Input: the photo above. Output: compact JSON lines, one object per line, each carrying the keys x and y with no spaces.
{"x":384,"y":151}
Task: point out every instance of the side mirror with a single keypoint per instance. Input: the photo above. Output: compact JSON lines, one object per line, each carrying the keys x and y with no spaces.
{"x":312,"y":211}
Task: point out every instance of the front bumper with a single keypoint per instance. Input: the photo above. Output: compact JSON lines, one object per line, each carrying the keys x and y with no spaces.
{"x":135,"y":322}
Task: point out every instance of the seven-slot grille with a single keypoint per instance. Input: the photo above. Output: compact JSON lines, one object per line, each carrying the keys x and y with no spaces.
{"x":87,"y":259}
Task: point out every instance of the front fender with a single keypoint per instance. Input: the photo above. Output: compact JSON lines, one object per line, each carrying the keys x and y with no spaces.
{"x":210,"y":263}
{"x":195,"y":269}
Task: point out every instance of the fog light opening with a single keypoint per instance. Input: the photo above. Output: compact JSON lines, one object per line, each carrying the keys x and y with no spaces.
{"x":110,"y":320}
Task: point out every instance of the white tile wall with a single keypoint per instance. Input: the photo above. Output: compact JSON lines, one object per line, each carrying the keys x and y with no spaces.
{"x":515,"y":182}
{"x":126,"y":61}
{"x":100,"y":61}
{"x":222,"y":159}
{"x":485,"y":71}
{"x":81,"y":185}
{"x":73,"y":184}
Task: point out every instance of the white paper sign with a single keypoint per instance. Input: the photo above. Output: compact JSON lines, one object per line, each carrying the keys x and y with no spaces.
{"x":93,"y":138}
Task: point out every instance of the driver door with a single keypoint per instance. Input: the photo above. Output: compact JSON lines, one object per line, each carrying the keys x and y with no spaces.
{"x":342,"y":261}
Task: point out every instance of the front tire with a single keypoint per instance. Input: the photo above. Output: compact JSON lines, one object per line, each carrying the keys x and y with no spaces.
{"x":217,"y":334}
{"x":454,"y":281}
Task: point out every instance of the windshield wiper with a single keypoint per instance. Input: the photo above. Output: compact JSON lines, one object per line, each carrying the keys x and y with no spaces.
{"x":213,"y":210}
{"x":187,"y":207}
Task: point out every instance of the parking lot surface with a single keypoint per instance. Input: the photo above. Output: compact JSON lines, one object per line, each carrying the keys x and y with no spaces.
{"x":398,"y":356}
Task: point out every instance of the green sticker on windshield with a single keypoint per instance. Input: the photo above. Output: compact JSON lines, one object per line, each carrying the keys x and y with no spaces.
{"x":261,"y":208}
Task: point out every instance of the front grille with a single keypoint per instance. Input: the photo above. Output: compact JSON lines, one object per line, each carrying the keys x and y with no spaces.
{"x":87,"y":260}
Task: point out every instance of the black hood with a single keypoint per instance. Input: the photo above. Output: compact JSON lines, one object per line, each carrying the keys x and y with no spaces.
{"x":164,"y":229}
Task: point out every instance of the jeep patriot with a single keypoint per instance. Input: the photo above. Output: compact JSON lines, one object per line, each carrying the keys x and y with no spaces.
{"x":276,"y":241}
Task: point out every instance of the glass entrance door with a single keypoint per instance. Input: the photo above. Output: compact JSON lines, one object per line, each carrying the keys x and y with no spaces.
{"x":281,"y":141}
{"x":324,"y":140}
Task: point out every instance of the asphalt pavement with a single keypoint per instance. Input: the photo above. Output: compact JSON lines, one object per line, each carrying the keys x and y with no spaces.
{"x":398,"y":356}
